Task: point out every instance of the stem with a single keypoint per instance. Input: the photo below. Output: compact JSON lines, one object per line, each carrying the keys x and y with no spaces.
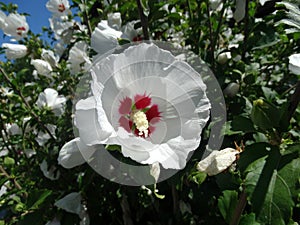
{"x":216,"y":40}
{"x":144,"y":20}
{"x":295,"y":99}
{"x":246,"y":31}
{"x":17,"y":185}
{"x":175,"y":201}
{"x":4,"y":136}
{"x":86,"y":18}
{"x":16,"y":89}
{"x":239,"y":208}
{"x":190,"y":10}
{"x":212,"y":45}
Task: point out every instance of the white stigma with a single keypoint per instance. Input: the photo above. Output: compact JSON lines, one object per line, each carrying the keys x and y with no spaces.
{"x":141,"y":123}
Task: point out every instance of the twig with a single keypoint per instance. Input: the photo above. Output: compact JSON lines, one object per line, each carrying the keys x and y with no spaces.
{"x":16,"y":89}
{"x":246,"y":31}
{"x":4,"y":136}
{"x":144,"y":20}
{"x":3,"y":171}
{"x":212,"y":45}
{"x":190,"y":10}
{"x":295,"y":99}
{"x":219,"y":24}
{"x":86,"y":18}
{"x":175,"y":200}
{"x":239,"y":208}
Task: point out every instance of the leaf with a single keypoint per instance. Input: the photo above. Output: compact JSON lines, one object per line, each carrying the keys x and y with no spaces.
{"x":251,"y":154}
{"x":241,"y":123}
{"x":42,"y":195}
{"x":264,"y":114}
{"x":248,"y":219}
{"x":70,"y":203}
{"x":227,"y":204}
{"x":271,"y":185}
{"x":197,"y":177}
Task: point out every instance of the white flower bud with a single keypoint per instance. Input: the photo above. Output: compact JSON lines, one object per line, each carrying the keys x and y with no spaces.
{"x":232,"y":89}
{"x":224,"y":57}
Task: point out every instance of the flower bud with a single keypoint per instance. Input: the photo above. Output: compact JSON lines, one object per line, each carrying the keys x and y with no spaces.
{"x":232,"y":89}
{"x":224,"y":57}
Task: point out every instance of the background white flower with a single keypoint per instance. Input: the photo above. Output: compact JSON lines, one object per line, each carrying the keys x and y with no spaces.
{"x":49,"y":56}
{"x":16,"y":26}
{"x":51,"y":173}
{"x":104,"y":38}
{"x":2,"y":20}
{"x":294,"y":64}
{"x":58,"y":7}
{"x":50,"y":98}
{"x":148,"y":102}
{"x":218,"y":161}
{"x":114,"y":20}
{"x":42,"y":67}
{"x":42,"y":137}
{"x":78,"y":58}
{"x":14,"y":51}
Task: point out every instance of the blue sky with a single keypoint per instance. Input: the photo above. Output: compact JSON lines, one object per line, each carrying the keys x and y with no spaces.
{"x":39,"y":14}
{"x":39,"y":17}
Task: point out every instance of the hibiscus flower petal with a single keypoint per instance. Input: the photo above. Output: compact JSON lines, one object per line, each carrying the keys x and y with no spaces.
{"x":142,"y":101}
{"x":87,"y":121}
{"x":153,"y":115}
{"x":125,"y":106}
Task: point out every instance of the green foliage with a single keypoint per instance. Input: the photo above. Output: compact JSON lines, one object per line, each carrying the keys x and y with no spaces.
{"x":259,"y":116}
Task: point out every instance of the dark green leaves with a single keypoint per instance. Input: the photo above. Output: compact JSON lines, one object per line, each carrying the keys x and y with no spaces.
{"x":271,"y":188}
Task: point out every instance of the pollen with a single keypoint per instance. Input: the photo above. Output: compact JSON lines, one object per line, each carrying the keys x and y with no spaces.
{"x":141,"y":123}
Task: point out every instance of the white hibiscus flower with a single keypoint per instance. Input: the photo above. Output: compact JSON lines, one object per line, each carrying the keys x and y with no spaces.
{"x":218,"y":161}
{"x":107,"y":33}
{"x":78,"y":58}
{"x":148,"y":102}
{"x":59,"y":7}
{"x":16,"y":26}
{"x":43,"y":67}
{"x":14,"y":51}
{"x":50,"y":98}
{"x":294,"y":64}
{"x":2,"y":20}
{"x":49,"y":56}
{"x":114,"y":20}
{"x":63,"y":29}
{"x":104,"y":38}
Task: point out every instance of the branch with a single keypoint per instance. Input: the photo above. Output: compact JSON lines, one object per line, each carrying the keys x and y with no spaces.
{"x":86,"y":18}
{"x":219,"y":24}
{"x":212,"y":44}
{"x":246,"y":31}
{"x":16,"y":89}
{"x":295,"y":99}
{"x":3,"y":171}
{"x":239,"y":208}
{"x":144,"y":20}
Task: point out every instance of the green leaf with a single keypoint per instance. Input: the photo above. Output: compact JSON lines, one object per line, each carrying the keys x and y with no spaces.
{"x":271,"y":185}
{"x":241,"y":123}
{"x":248,"y":219}
{"x":264,"y":114}
{"x":227,"y":204}
{"x":251,"y":154}
{"x":8,"y":161}
{"x":37,"y":198}
{"x":197,"y":177}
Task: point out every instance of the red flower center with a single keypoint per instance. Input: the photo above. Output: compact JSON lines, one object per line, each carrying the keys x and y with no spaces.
{"x":21,"y":30}
{"x":61,"y":8}
{"x":138,"y":115}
